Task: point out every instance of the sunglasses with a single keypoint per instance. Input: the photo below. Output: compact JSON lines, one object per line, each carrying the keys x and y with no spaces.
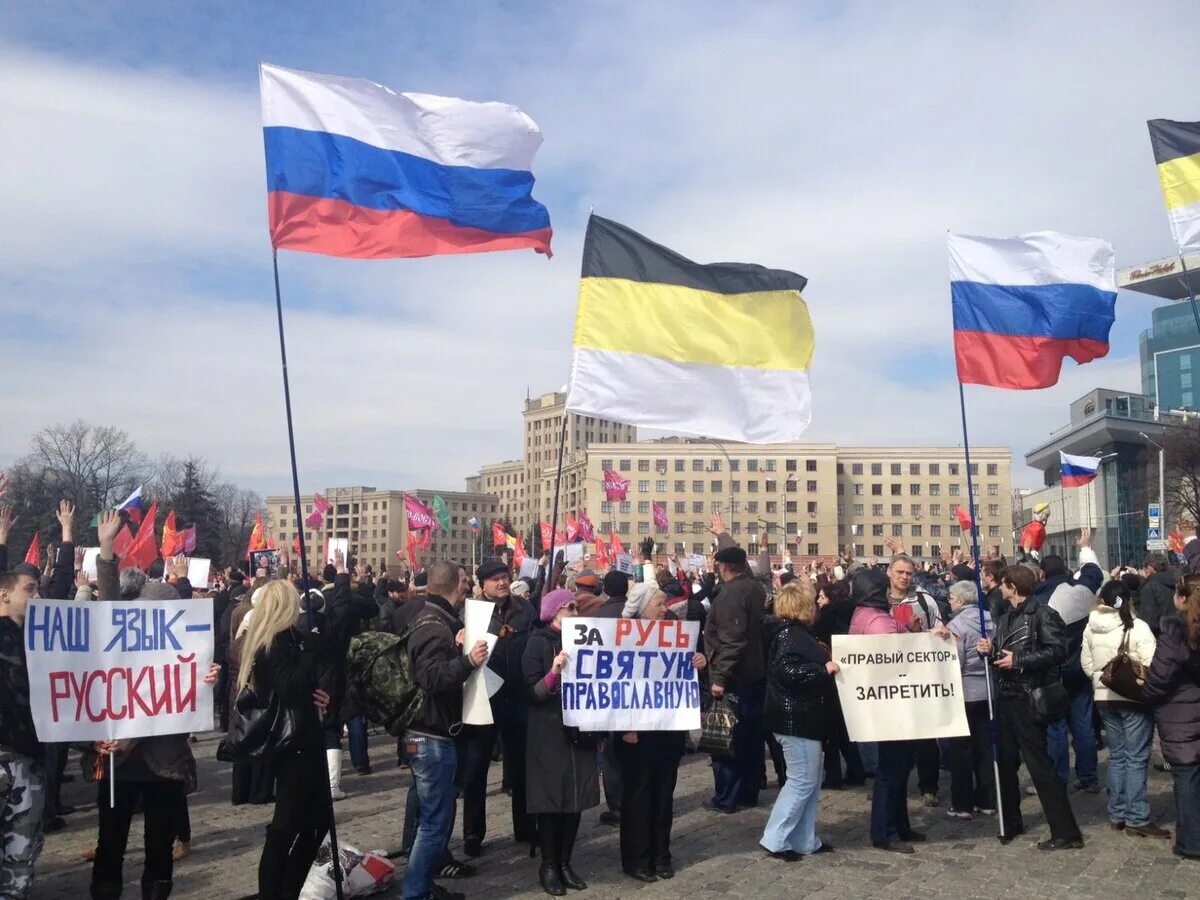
{"x":571,"y":607}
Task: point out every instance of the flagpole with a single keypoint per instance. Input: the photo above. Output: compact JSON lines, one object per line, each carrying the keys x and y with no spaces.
{"x":987,"y":667}
{"x":562,"y":449}
{"x":1066,"y":532}
{"x":287,"y":405}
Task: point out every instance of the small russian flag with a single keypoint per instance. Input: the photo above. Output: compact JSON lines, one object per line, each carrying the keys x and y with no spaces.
{"x":1078,"y":470}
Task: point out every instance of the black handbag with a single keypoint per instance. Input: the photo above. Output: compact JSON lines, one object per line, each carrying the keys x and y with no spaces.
{"x":1049,"y":702}
{"x":259,"y":729}
{"x":716,"y":727}
{"x":1123,"y":674}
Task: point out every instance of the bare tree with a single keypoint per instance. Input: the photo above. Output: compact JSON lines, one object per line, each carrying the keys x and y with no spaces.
{"x":1182,"y":469}
{"x":92,"y":466}
{"x":236,"y":507}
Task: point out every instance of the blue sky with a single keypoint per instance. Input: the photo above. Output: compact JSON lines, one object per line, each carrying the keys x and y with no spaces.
{"x":838,"y":140}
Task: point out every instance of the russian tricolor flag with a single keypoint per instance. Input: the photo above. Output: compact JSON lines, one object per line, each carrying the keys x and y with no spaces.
{"x":1023,"y":304}
{"x":1078,"y":470}
{"x":357,"y":170}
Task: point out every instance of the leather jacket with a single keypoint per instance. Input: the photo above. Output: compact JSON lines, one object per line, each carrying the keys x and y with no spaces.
{"x":801,"y":696}
{"x":1037,"y":637}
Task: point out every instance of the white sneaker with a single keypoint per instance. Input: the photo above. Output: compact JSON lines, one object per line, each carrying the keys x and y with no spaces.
{"x":961,"y":815}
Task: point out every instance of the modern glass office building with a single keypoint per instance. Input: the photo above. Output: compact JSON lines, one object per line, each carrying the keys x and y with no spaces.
{"x":1170,"y":357}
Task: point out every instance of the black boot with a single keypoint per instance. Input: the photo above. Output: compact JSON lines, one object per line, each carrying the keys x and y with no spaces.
{"x":106,"y":890}
{"x":550,"y":878}
{"x":571,"y":880}
{"x":156,"y":890}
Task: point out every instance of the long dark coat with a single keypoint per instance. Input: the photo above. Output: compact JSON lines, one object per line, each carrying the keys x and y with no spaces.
{"x":560,"y":775}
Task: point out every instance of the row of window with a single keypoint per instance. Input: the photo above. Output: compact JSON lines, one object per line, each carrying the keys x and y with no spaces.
{"x":792,"y":465}
{"x":914,"y":469}
{"x":914,"y":489}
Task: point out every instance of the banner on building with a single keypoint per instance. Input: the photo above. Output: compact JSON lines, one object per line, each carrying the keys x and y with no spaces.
{"x":899,"y":687}
{"x":630,"y":675}
{"x":122,"y":669}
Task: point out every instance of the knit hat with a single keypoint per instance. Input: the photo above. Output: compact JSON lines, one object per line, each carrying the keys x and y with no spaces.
{"x":616,"y":584}
{"x":519,"y":589}
{"x":554,"y":601}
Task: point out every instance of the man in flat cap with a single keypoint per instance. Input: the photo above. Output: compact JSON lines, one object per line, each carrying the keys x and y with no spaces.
{"x":737,"y":665}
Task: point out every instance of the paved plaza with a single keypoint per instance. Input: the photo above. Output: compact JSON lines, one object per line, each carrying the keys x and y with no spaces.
{"x":715,"y":855}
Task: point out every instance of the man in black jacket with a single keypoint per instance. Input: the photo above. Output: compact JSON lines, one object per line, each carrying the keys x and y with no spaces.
{"x":733,"y":642}
{"x":1157,"y":597}
{"x":1027,"y":649}
{"x":440,"y":669}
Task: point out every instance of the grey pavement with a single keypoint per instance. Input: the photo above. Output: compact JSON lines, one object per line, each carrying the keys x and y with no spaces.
{"x":715,"y":855}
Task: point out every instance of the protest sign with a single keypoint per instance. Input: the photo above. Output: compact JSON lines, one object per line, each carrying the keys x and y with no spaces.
{"x":696,"y":562}
{"x":332,"y":544}
{"x":573,"y":553}
{"x":90,"y":554}
{"x":198,"y":572}
{"x":899,"y":687}
{"x":529,"y":568}
{"x":483,"y":682}
{"x":630,"y":675}
{"x":624,"y":563}
{"x":120,"y":669}
{"x":264,"y":559}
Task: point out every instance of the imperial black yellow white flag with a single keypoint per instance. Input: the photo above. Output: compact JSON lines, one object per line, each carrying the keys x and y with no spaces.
{"x":718,"y":350}
{"x":1177,"y":154}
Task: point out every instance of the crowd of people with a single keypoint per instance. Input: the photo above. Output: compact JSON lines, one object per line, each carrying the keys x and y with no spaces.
{"x":1040,"y":649}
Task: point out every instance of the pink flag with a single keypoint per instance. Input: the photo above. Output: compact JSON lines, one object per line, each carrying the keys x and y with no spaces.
{"x":320,"y":507}
{"x":660,"y":516}
{"x":419,"y":515}
{"x":572,"y":530}
{"x":586,"y":531}
{"x":615,"y":487}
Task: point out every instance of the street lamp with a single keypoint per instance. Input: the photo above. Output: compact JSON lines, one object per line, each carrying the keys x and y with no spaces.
{"x":1162,"y":500}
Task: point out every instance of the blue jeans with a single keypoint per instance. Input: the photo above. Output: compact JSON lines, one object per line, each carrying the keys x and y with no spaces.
{"x":738,"y":778}
{"x":1130,"y":732}
{"x":1187,"y":809}
{"x":793,"y":822}
{"x":1079,"y":722}
{"x":432,"y":762}
{"x":868,"y":752}
{"x":889,"y":794}
{"x":357,"y":728}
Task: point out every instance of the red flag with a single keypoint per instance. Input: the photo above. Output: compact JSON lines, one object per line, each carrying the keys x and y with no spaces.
{"x":271,"y":542}
{"x":615,"y":487}
{"x":295,"y":544}
{"x":1175,"y":541}
{"x":320,"y":507}
{"x":122,"y":542}
{"x":617,"y":548}
{"x":135,"y":514}
{"x":586,"y":531}
{"x":426,"y":538}
{"x":499,"y":535}
{"x":170,"y":537}
{"x":257,"y":536}
{"x":33,"y":555}
{"x":144,"y":549}
{"x":660,"y":516}
{"x":602,"y":555}
{"x":572,"y":530}
{"x":518,"y":553}
{"x":547,"y":534}
{"x":964,"y":519}
{"x":412,"y":552}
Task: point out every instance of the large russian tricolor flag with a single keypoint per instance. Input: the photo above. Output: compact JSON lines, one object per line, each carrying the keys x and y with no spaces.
{"x":1023,"y":304}
{"x":1078,"y":470}
{"x":357,"y":170}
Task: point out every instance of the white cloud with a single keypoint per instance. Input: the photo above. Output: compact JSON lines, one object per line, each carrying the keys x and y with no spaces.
{"x":135,"y":253}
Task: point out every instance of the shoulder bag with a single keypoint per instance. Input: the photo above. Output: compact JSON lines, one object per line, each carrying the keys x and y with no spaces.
{"x":1123,"y":674}
{"x":720,"y":718}
{"x":260,"y":728}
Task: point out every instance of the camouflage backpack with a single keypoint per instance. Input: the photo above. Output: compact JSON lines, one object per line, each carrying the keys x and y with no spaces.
{"x":379,"y":679}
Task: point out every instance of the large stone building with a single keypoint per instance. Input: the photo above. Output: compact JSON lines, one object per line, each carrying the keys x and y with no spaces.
{"x":822,"y":497}
{"x":374,"y":523}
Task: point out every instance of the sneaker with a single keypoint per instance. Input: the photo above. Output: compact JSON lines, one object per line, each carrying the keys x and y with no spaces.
{"x":181,"y":850}
{"x":929,"y":800}
{"x":1148,"y":830}
{"x":982,"y":811}
{"x":784,"y":855}
{"x":453,"y":868}
{"x":1162,"y":767}
{"x":894,"y":847}
{"x":337,"y":794}
{"x":959,"y":814}
{"x":712,"y":807}
{"x":1093,"y":788}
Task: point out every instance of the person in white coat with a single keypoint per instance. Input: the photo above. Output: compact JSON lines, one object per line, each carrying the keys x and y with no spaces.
{"x":1128,"y":724}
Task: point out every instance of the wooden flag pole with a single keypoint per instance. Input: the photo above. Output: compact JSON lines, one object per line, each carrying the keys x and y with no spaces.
{"x":287,"y":405}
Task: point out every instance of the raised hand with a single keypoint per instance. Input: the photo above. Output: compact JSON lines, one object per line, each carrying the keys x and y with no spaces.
{"x":718,"y":524}
{"x":66,"y":518}
{"x":107,"y":528}
{"x":7,"y":520}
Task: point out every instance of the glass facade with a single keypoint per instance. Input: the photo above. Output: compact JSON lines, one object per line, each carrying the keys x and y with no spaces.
{"x":1170,"y":356}
{"x":1124,"y":486}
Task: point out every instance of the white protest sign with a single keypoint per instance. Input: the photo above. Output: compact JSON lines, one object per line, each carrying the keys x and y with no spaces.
{"x":332,"y":544}
{"x":696,"y":562}
{"x":572,"y":553}
{"x":198,"y":572}
{"x":630,"y":675}
{"x":624,"y":563}
{"x":529,"y":568}
{"x":477,"y":707}
{"x":899,"y":687}
{"x":90,"y":555}
{"x":119,"y":669}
